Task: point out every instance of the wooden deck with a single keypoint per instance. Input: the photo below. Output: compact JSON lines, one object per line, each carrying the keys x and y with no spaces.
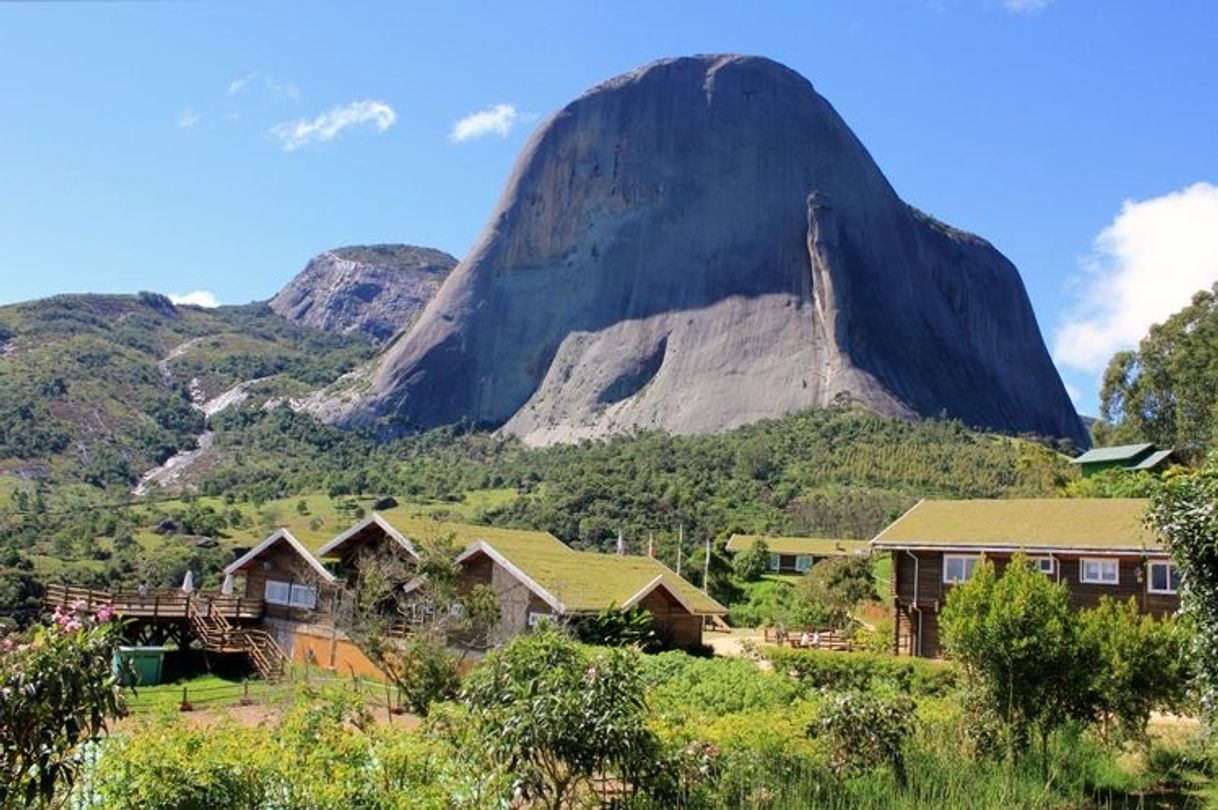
{"x":208,"y":617}
{"x":163,"y":603}
{"x":816,"y":639}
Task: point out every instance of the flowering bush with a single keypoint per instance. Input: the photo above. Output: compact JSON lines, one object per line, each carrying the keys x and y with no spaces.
{"x":57,"y":690}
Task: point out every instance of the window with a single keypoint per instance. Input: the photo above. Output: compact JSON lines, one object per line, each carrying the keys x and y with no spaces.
{"x":803,"y":562}
{"x":775,"y":562}
{"x":958,"y":568}
{"x":536,"y":618}
{"x":1099,"y":571}
{"x":303,"y":596}
{"x":277,"y":593}
{"x":1164,"y":578}
{"x":1045,"y":565}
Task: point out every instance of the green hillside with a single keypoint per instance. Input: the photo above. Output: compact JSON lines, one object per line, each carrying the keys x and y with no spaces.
{"x":98,"y":388}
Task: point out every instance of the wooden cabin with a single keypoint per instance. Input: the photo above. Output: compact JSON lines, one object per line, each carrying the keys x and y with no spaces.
{"x":537,"y":577}
{"x":1096,"y":546}
{"x":1144,"y":457}
{"x":796,"y":555}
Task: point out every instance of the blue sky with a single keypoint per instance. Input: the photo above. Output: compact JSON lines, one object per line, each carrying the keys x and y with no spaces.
{"x":183,"y":147}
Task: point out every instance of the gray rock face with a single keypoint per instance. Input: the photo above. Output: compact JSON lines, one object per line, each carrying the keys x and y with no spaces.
{"x":376,"y":290}
{"x":702,"y":243}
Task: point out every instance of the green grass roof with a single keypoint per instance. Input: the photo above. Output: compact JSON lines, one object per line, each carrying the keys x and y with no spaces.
{"x":1122,"y":452}
{"x":585,"y":581}
{"x":816,"y":546}
{"x":1050,"y":523}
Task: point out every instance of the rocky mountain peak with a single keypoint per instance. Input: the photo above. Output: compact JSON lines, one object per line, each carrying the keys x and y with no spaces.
{"x":375,"y":290}
{"x":701,"y":243}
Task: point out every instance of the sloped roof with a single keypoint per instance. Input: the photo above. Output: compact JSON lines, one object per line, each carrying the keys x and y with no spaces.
{"x":1122,"y":452}
{"x":280,"y":536}
{"x":1153,"y":460}
{"x":408,"y":530}
{"x":584,"y":581}
{"x":816,"y":546}
{"x":1094,"y":524}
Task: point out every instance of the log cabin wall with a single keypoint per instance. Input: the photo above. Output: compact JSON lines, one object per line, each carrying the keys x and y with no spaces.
{"x":919,"y":591}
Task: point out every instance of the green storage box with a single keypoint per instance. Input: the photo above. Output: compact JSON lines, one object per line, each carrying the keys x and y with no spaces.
{"x":139,"y":666}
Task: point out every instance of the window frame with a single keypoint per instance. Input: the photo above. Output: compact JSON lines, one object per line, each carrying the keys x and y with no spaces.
{"x":775,"y":562}
{"x":1082,"y":571}
{"x":966,"y":571}
{"x":803,"y":563}
{"x":1038,"y":564}
{"x":1150,"y":577}
{"x":280,"y":587}
{"x":536,"y":617}
{"x":302,"y":588}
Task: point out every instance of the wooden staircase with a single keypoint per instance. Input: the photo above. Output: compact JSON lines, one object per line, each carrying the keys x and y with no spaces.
{"x":217,"y":635}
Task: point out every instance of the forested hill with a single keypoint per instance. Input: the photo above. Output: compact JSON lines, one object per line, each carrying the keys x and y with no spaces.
{"x":100,"y":388}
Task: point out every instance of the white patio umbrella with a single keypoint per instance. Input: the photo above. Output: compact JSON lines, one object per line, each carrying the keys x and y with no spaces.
{"x":188,"y":582}
{"x":227,"y":587}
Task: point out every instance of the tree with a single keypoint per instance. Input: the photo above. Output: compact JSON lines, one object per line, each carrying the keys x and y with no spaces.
{"x":57,"y":691}
{"x":835,"y":586}
{"x":1185,"y":512}
{"x":414,"y":622}
{"x":1017,"y":638}
{"x":751,"y":563}
{"x":1138,"y":665}
{"x":559,"y":714}
{"x":1167,"y":390}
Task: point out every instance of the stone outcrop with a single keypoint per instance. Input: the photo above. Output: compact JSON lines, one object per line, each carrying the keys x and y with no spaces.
{"x":699,"y":244}
{"x":375,"y":290}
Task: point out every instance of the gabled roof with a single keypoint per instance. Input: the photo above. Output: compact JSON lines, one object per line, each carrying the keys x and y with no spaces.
{"x":573,"y":581}
{"x":1123,"y":452}
{"x":1051,"y":524}
{"x":281,"y":536}
{"x":1154,"y":460}
{"x":815,"y":546}
{"x":369,"y":526}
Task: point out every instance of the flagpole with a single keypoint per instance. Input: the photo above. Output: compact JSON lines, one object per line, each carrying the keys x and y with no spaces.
{"x":680,"y":543}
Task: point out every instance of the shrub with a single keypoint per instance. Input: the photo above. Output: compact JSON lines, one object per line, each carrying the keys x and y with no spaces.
{"x":57,"y":691}
{"x":681,"y":684}
{"x":557,"y":713}
{"x":865,"y":730}
{"x":823,"y":669}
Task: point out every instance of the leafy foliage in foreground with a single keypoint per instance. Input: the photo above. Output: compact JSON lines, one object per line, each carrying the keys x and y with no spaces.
{"x":57,"y":691}
{"x":1185,"y":511}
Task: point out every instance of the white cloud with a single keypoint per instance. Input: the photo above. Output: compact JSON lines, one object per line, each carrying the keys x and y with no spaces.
{"x":198,"y":298}
{"x":1026,"y":6}
{"x":260,"y":79}
{"x":187,"y":118}
{"x":497,"y":120}
{"x":325,"y":127}
{"x":1145,"y":266}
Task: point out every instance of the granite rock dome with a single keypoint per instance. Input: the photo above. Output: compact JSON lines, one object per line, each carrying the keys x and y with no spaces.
{"x":702,"y":243}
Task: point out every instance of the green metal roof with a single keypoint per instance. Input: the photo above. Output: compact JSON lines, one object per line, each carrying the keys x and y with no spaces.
{"x":585,"y":581}
{"x":1123,"y":452}
{"x":1050,"y":523}
{"x":815,"y":546}
{"x":1153,"y":460}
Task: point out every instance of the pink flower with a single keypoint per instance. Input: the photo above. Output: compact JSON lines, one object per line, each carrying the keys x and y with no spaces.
{"x":105,"y":614}
{"x":72,"y":626}
{"x":7,"y":644}
{"x":76,"y":605}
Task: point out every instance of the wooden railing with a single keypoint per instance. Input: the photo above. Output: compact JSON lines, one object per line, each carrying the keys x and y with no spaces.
{"x":208,"y":615}
{"x":162,"y":603}
{"x":815,"y":639}
{"x":217,"y":635}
